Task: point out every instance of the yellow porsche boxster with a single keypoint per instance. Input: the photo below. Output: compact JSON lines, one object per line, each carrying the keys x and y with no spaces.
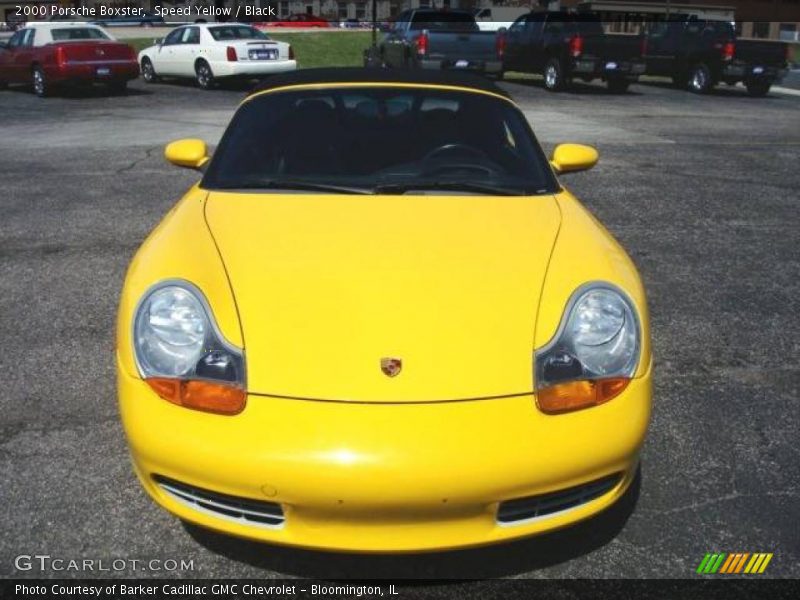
{"x":379,"y":323}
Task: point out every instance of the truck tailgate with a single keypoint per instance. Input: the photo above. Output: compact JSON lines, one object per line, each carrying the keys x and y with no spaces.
{"x":766,"y":53}
{"x":467,"y":45}
{"x":616,"y":48}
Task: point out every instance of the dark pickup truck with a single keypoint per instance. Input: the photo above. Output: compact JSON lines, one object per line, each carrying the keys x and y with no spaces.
{"x":701,"y":53}
{"x":565,"y":45}
{"x":437,"y":39}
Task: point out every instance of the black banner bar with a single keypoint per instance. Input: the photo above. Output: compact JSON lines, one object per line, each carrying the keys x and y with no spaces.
{"x":286,"y":589}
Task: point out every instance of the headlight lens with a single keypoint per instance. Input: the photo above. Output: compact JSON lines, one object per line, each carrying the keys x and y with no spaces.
{"x":604,"y":333}
{"x":170,"y":332}
{"x":598,"y":317}
{"x":598,"y":345}
{"x":182,"y":355}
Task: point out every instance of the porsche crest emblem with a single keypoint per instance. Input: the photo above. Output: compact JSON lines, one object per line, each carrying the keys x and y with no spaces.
{"x":391,"y":366}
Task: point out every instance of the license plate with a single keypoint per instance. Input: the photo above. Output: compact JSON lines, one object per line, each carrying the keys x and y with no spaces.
{"x":103,"y":71}
{"x":462,"y":64}
{"x":263,"y":54}
{"x":758,"y":70}
{"x":610,"y":66}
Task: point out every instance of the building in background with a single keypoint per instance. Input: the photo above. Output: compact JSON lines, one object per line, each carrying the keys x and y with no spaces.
{"x":360,"y":9}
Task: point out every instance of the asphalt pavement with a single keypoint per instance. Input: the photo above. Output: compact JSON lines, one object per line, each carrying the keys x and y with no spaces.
{"x":701,"y":191}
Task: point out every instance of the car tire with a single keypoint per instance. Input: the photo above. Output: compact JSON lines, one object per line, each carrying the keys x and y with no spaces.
{"x":39,"y":82}
{"x":554,"y":79}
{"x":204,"y":75}
{"x":148,"y":71}
{"x":618,"y":86}
{"x":757,"y":89}
{"x":700,"y":79}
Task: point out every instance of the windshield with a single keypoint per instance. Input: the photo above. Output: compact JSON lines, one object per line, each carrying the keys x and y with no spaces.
{"x":236,"y":32}
{"x":378,"y":138}
{"x":78,"y":33}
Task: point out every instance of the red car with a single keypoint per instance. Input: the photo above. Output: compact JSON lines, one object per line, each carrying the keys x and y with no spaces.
{"x":300,"y":20}
{"x":46,"y":55}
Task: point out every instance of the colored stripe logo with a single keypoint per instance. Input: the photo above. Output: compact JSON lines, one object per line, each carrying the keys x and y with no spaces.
{"x":746,"y":563}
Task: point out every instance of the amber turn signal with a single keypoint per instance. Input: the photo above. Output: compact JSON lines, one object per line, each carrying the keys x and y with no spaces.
{"x":574,"y":395}
{"x":200,"y":395}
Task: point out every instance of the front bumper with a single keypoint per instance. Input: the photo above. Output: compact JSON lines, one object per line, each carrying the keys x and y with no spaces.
{"x":384,"y":477}
{"x":252,"y":68}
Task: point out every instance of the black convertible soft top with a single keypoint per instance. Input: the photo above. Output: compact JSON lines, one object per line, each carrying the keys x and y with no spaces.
{"x":374,"y":75}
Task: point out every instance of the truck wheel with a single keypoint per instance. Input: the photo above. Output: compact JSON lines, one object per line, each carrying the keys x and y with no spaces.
{"x":758,"y":88}
{"x":148,"y":71}
{"x":554,"y":80}
{"x":618,"y":86}
{"x":205,"y":78}
{"x":39,"y":82}
{"x":700,"y":79}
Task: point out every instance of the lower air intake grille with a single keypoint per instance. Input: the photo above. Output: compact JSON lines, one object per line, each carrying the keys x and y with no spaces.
{"x":232,"y":508}
{"x":532,"y":507}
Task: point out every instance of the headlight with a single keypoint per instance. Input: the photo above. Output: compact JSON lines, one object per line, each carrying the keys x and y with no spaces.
{"x":594,"y":354}
{"x":170,"y":332}
{"x":181,"y":354}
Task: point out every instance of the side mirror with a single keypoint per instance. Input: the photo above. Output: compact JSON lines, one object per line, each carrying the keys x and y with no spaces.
{"x":568,"y":158}
{"x":190,"y":153}
{"x":158,"y":41}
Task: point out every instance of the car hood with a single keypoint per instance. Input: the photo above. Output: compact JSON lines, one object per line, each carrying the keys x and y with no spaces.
{"x":327,"y":286}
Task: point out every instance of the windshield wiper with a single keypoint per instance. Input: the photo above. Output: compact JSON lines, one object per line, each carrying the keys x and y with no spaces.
{"x":295,"y":184}
{"x":455,"y":186}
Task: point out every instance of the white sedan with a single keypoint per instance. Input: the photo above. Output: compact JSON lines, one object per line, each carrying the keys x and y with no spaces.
{"x":208,"y":52}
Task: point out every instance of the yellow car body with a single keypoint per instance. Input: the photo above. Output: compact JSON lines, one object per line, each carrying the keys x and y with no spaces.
{"x":463,"y":289}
